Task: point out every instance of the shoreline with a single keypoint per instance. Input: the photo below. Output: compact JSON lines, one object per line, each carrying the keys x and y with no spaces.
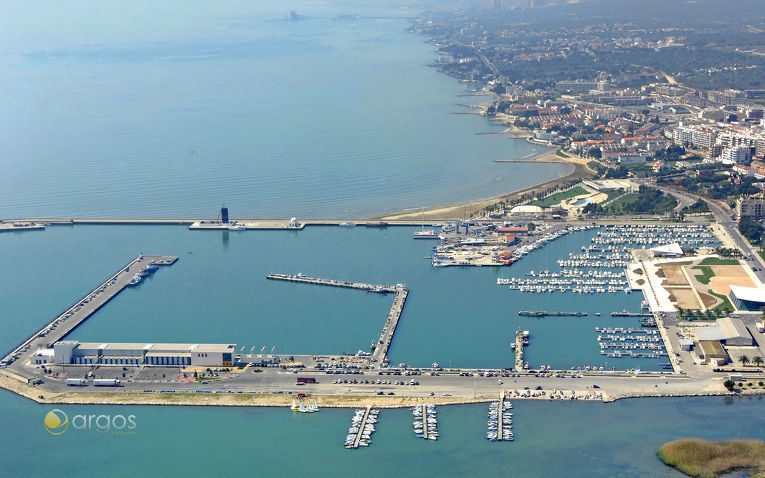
{"x":14,"y":384}
{"x":579,"y":169}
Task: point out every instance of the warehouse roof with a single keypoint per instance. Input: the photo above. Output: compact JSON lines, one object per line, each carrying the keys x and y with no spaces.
{"x":712,"y":349}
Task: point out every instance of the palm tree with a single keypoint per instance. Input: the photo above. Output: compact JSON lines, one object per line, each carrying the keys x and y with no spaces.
{"x":757,"y":361}
{"x":744,"y":360}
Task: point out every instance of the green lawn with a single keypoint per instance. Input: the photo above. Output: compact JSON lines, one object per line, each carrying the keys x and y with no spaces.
{"x":716,"y":261}
{"x":627,"y":198}
{"x":558,"y":197}
{"x":613,"y":193}
{"x":706,"y":274}
{"x":761,"y":253}
{"x":726,"y":306}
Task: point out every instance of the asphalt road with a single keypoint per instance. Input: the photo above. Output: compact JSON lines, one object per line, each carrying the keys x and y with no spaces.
{"x":277,"y":380}
{"x":730,"y":226}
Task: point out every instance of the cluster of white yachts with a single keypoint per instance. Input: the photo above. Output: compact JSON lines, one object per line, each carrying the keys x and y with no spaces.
{"x":425,"y":426}
{"x":581,"y":285}
{"x":360,"y":426}
{"x":500,"y":420}
{"x":697,"y":236}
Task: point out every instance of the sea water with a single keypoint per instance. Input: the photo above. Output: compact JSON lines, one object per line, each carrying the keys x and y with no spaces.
{"x":217,"y":292}
{"x":552,"y":439}
{"x":128,"y":109}
{"x":124,"y":108}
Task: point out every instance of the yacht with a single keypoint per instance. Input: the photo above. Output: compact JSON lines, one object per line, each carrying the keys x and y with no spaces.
{"x":426,"y":234}
{"x":347,"y":224}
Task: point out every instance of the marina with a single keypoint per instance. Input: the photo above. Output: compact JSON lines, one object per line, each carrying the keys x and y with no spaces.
{"x":488,"y":244}
{"x":500,"y":420}
{"x":619,"y":344}
{"x":425,"y":422}
{"x":623,"y":342}
{"x":362,"y":427}
{"x":331,"y":112}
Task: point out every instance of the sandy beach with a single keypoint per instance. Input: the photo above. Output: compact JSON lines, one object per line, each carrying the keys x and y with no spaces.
{"x":579,"y":170}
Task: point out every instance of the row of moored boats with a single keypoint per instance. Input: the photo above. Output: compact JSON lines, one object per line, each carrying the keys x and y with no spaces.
{"x":361,"y":428}
{"x":425,"y":422}
{"x":500,"y":414}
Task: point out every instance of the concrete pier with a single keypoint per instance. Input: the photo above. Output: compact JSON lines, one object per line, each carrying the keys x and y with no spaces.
{"x":201,"y":223}
{"x":384,"y":289}
{"x":245,"y":225}
{"x":380,"y":354}
{"x":67,"y":321}
{"x":500,"y":421}
{"x":20,"y":226}
{"x":521,"y":340}
{"x":361,"y":428}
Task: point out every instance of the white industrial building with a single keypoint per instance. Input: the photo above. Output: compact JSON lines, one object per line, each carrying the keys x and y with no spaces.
{"x":668,"y":250}
{"x":747,"y":298}
{"x":207,"y":355}
{"x":728,"y":331}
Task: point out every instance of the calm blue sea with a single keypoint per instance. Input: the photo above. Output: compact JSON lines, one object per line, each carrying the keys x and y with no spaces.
{"x":217,"y":292}
{"x":138,"y":109}
{"x":170,"y":109}
{"x":552,"y":439}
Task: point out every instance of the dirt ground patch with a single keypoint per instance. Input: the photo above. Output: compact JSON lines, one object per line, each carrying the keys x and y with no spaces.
{"x":674,"y":273}
{"x":709,"y":301}
{"x":685,"y":298}
{"x":727,"y":275}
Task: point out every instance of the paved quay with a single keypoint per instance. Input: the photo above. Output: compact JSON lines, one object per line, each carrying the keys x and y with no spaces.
{"x":73,"y":316}
{"x":520,"y":342}
{"x":20,"y":226}
{"x":273,"y":386}
{"x":216,"y":224}
{"x":380,"y":354}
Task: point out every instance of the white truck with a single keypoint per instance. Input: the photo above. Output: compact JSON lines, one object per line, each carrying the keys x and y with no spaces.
{"x":106,"y":382}
{"x":76,"y":382}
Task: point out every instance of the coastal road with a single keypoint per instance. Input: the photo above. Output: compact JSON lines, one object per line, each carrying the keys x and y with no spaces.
{"x":277,"y":380}
{"x":729,"y":227}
